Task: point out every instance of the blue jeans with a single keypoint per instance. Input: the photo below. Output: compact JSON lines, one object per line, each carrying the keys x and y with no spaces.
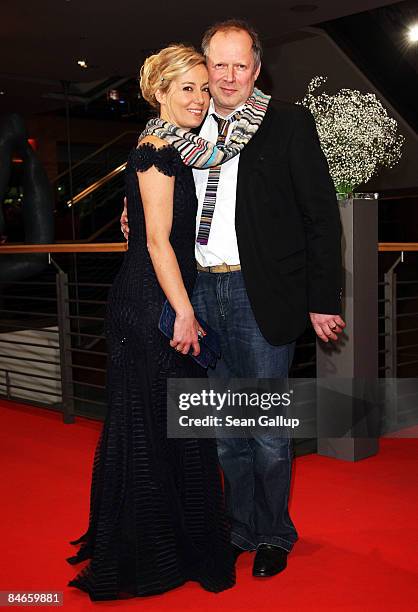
{"x":257,"y":470}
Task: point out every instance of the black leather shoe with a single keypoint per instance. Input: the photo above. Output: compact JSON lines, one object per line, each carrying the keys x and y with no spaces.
{"x":269,"y":561}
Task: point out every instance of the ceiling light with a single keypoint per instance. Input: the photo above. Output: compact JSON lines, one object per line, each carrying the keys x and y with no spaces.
{"x":413,"y":33}
{"x":113,"y":94}
{"x":82,"y":63}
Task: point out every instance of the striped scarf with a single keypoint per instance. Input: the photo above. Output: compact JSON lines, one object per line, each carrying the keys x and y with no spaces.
{"x":198,"y":152}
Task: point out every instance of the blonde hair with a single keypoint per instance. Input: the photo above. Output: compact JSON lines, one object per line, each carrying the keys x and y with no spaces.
{"x":159,"y":70}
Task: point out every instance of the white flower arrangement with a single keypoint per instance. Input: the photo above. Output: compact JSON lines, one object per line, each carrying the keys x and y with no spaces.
{"x":356,"y":134}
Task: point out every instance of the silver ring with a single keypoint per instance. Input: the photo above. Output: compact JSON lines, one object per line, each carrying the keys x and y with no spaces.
{"x":199,"y":334}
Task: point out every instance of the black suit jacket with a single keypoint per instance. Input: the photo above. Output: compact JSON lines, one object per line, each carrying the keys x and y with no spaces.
{"x":288,"y":225}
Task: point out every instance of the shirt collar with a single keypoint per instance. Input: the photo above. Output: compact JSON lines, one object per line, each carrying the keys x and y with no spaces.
{"x":213,"y":112}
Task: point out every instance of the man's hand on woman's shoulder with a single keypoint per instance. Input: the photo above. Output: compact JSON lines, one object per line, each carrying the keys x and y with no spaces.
{"x":124,"y":220}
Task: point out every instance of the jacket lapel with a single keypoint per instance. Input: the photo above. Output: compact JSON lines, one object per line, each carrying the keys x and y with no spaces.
{"x":253,"y":151}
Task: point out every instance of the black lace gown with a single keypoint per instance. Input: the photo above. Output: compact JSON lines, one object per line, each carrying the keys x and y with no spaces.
{"x":156,"y":506}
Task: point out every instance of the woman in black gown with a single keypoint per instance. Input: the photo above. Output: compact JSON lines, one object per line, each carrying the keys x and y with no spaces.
{"x":156,"y":508}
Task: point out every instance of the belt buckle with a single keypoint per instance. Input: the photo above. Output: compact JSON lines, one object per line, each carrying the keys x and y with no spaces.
{"x":218,"y":269}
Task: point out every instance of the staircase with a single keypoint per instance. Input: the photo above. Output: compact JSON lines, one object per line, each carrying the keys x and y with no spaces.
{"x":90,"y":194}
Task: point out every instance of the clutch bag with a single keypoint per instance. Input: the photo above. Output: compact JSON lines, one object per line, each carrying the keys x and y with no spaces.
{"x":210,"y":348}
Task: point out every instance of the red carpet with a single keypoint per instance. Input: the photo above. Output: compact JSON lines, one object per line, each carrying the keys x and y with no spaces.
{"x":357,"y":525}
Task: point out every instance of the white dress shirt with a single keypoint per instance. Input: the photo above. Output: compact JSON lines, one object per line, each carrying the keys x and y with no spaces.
{"x":222,"y":245}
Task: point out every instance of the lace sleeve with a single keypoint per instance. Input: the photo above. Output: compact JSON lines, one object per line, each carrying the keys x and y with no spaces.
{"x":166,"y":159}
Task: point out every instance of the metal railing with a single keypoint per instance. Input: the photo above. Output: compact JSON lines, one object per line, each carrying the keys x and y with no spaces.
{"x":399,"y":322}
{"x":98,"y":152}
{"x":65,"y":247}
{"x":52,"y":343}
{"x":96,"y":185}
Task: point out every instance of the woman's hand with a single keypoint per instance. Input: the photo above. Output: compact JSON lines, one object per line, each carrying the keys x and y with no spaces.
{"x":186,"y":334}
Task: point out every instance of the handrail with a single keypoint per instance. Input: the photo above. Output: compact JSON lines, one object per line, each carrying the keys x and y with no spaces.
{"x":102,"y":148}
{"x":402,"y":196}
{"x":96,"y":185}
{"x":65,"y":247}
{"x":398,"y":194}
{"x":114,"y":247}
{"x":398,"y":246}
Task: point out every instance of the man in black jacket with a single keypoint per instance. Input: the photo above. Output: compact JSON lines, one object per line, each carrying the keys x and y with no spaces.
{"x":272,"y":259}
